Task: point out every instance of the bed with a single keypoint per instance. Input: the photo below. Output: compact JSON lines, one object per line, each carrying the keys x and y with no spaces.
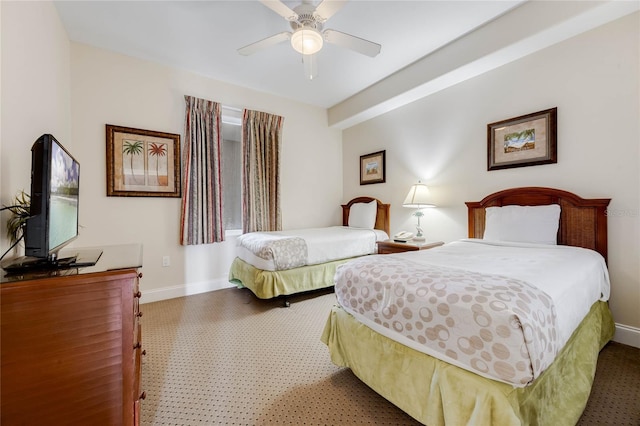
{"x":533,"y":365}
{"x":283,"y":263}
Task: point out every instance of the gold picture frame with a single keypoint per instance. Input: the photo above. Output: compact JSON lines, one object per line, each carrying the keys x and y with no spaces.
{"x":528,"y":140}
{"x":372,"y":168}
{"x":142,"y":163}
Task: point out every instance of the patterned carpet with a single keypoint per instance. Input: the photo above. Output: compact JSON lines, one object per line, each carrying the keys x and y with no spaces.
{"x":228,"y":358}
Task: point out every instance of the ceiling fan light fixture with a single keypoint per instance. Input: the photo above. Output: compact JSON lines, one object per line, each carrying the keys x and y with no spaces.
{"x":307,"y":40}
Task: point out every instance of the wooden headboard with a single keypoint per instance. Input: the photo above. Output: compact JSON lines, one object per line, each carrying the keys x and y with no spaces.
{"x":583,"y":222}
{"x":382,"y":217}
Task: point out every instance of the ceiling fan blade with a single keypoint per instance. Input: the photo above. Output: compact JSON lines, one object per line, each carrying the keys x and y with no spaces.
{"x":310,"y":66}
{"x":327,"y":9}
{"x":281,"y":9}
{"x":265,"y":43}
{"x":358,"y":44}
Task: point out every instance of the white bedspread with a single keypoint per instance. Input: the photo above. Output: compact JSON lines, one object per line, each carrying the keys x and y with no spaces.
{"x":271,"y":250}
{"x":572,"y":278}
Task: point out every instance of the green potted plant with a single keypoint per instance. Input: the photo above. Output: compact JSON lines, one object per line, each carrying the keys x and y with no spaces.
{"x":20,"y":211}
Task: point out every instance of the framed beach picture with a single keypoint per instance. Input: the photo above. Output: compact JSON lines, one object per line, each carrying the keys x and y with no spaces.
{"x":372,"y":168}
{"x":142,"y":163}
{"x":528,"y":140}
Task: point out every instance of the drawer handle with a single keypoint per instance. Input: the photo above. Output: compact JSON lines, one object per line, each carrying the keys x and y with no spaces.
{"x":139,"y":314}
{"x":140,"y":275}
{"x":137,"y":345}
{"x":137,"y":294}
{"x":144,"y":352}
{"x":143,"y":395}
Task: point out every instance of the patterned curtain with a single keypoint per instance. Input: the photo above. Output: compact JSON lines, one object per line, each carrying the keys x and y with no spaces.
{"x":261,"y":142}
{"x":201,"y":221}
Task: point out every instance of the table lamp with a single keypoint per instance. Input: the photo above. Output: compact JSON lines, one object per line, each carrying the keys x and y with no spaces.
{"x":418,"y":198}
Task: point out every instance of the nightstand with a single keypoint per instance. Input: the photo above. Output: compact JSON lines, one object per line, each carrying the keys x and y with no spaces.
{"x":390,"y":246}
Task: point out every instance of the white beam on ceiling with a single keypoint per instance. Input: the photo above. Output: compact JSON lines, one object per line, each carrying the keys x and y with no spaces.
{"x":530,"y":27}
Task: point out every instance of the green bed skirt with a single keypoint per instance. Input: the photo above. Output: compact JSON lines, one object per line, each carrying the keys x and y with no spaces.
{"x":437,"y":393}
{"x":270,"y":284}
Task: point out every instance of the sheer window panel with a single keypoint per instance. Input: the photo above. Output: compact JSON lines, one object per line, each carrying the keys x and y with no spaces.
{"x":231,"y":172}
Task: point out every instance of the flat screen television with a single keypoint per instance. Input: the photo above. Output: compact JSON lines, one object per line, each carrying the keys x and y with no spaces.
{"x":55,"y":184}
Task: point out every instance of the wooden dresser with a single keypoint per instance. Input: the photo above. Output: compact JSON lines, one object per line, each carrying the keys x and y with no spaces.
{"x":71,"y":343}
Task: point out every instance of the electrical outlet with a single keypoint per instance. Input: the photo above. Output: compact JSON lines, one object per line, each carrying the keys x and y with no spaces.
{"x":166,"y":261}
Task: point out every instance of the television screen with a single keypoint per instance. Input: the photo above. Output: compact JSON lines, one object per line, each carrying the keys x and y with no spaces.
{"x":63,"y":198}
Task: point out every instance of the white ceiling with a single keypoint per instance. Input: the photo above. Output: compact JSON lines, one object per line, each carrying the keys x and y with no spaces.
{"x":203,"y":36}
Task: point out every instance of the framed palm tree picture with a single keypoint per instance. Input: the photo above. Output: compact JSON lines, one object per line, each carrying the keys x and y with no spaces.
{"x":142,"y":163}
{"x":528,"y":140}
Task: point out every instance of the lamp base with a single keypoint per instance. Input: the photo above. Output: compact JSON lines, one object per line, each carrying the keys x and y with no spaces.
{"x":419,"y":239}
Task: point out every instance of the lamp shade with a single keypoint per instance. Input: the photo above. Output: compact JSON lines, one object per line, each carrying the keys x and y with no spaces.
{"x":418,"y":197}
{"x":307,"y":40}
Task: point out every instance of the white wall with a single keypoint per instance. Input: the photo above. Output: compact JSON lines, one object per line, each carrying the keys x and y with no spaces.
{"x":36,"y":97}
{"x":109,"y":88}
{"x":593,"y":79}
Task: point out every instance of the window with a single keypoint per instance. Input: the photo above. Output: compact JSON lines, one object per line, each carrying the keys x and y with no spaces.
{"x":232,"y":168}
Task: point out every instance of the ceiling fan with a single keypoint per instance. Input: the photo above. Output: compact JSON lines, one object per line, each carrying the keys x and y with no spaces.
{"x":307,"y":36}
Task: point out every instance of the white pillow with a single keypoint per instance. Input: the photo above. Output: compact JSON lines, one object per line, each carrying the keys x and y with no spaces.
{"x":525,"y":224}
{"x":363,"y":215}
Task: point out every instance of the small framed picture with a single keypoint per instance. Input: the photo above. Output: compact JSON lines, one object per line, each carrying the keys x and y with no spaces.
{"x":142,"y":163}
{"x":528,"y":140}
{"x":372,"y":168}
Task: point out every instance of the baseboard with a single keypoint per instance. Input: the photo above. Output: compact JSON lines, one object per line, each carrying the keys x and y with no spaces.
{"x":627,"y":335}
{"x":172,"y":292}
